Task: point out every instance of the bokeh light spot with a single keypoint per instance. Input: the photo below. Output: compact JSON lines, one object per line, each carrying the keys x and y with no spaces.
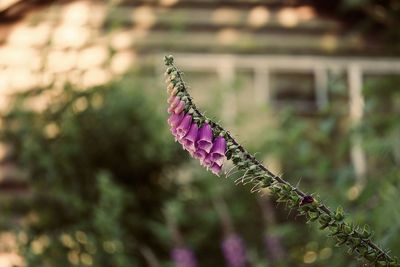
{"x":51,"y":130}
{"x":86,"y":259}
{"x":329,"y":42}
{"x":121,"y":40}
{"x":168,"y":2}
{"x":76,"y":13}
{"x":228,"y":36}
{"x":258,"y":16}
{"x":225,"y":16}
{"x":92,"y":57}
{"x":122,"y":61}
{"x":309,"y":257}
{"x":143,"y":17}
{"x":305,"y":12}
{"x":73,"y":257}
{"x":353,"y":193}
{"x":288,"y":17}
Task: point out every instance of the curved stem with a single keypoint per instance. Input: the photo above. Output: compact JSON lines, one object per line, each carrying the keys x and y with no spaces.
{"x":349,"y":234}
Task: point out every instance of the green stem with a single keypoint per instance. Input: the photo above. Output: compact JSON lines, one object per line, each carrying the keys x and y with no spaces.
{"x":358,"y":241}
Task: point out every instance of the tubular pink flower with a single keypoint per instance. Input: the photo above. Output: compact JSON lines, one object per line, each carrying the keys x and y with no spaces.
{"x":200,"y":154}
{"x":216,"y":169}
{"x":217,"y":153}
{"x":205,"y":137}
{"x":179,"y":107}
{"x":219,"y":161}
{"x":189,"y":141}
{"x":175,"y":119}
{"x":180,"y":141}
{"x":171,"y":99}
{"x":176,"y":101}
{"x":174,"y":133}
{"x":184,"y":126}
{"x":207,"y":162}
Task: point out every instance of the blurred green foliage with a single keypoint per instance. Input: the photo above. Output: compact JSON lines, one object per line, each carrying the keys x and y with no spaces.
{"x":95,"y":160}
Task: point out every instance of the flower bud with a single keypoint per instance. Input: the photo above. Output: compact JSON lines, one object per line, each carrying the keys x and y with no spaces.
{"x":168,"y":60}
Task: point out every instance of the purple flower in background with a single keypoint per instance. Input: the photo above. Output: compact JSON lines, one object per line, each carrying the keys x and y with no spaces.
{"x":184,"y":127}
{"x":189,"y":141}
{"x":205,"y":138}
{"x":183,"y":257}
{"x":234,"y":251}
{"x":273,"y":247}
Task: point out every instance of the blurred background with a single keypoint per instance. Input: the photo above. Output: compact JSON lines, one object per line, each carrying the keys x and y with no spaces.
{"x":90,"y":176}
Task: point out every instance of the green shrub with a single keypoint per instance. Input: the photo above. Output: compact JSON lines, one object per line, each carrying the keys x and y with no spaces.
{"x":95,"y":161}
